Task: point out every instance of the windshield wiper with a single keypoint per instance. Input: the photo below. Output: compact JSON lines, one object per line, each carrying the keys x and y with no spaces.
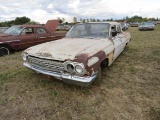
{"x":91,"y":37}
{"x":79,"y":37}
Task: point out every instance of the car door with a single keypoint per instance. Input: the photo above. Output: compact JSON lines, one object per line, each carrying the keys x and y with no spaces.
{"x":118,"y":40}
{"x":122,"y":37}
{"x":27,"y":37}
{"x":42,"y":35}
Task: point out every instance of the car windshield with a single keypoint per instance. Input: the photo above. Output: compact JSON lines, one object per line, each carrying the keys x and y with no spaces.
{"x":147,"y":23}
{"x":89,"y":30}
{"x":14,"y":30}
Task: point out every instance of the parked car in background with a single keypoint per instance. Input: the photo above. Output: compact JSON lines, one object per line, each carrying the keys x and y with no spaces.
{"x":23,"y":36}
{"x":124,"y":26}
{"x":60,"y":28}
{"x":79,"y":57}
{"x":146,"y":26}
{"x":153,"y":22}
{"x":67,"y":27}
{"x":134,"y":24}
{"x":3,"y":29}
{"x":63,"y":28}
{"x":157,"y":22}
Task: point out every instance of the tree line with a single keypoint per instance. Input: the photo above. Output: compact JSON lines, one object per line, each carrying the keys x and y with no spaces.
{"x":18,"y":21}
{"x":26,"y":20}
{"x":135,"y":18}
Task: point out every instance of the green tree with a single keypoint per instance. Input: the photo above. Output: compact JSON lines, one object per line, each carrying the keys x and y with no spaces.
{"x":111,"y":19}
{"x":33,"y":23}
{"x":84,"y":21}
{"x":66,"y":23}
{"x":22,"y":20}
{"x":10,"y":23}
{"x":127,"y":17}
{"x":98,"y":20}
{"x":1,"y":24}
{"x":157,"y":19}
{"x":60,"y":20}
{"x":93,"y":20}
{"x":136,"y":18}
{"x":81,"y":20}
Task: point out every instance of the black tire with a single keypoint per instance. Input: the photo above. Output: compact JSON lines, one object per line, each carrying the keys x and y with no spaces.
{"x":98,"y":80}
{"x":4,"y":51}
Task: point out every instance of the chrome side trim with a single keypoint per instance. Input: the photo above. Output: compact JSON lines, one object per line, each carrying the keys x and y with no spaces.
{"x":42,"y":37}
{"x":53,"y":36}
{"x":13,"y":41}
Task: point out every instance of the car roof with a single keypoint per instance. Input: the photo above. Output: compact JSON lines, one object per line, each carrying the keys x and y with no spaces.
{"x":109,"y":22}
{"x":29,"y":25}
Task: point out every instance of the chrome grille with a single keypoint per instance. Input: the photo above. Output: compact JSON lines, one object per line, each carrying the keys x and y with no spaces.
{"x":45,"y":63}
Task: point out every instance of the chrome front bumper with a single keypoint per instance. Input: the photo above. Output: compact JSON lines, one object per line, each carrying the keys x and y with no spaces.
{"x":65,"y":77}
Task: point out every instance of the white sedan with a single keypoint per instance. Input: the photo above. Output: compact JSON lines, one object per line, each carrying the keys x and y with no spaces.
{"x":79,"y":57}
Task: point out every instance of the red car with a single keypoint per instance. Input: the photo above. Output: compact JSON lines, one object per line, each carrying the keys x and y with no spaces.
{"x":20,"y":37}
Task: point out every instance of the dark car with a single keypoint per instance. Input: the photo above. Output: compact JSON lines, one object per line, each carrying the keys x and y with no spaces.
{"x":134,"y":24}
{"x":20,"y":37}
{"x":124,"y":26}
{"x":146,"y":26}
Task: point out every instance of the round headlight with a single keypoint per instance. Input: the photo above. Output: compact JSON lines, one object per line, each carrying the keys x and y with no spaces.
{"x":24,"y":56}
{"x":79,"y":69}
{"x":70,"y":68}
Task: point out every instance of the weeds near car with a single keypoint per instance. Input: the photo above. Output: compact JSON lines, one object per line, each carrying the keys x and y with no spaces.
{"x":130,"y":87}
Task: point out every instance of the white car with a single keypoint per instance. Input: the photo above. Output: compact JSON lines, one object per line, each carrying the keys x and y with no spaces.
{"x":79,"y":57}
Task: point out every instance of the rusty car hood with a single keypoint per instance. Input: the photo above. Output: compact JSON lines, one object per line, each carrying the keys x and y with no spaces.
{"x":68,"y":48}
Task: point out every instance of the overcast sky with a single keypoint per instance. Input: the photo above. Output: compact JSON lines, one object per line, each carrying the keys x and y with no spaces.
{"x":42,"y":10}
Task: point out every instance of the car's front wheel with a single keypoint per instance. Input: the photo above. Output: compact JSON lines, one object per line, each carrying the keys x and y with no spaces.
{"x":4,"y":51}
{"x":98,"y":78}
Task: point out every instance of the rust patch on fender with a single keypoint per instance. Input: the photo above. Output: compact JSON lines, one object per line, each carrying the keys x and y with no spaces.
{"x":110,"y":57}
{"x":83,"y":58}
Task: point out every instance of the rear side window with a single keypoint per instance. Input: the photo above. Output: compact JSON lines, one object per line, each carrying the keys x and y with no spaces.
{"x":40,"y":31}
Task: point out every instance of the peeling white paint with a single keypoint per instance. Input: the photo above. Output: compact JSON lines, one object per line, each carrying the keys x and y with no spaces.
{"x":108,"y":49}
{"x":92,"y":61}
{"x":69,"y":48}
